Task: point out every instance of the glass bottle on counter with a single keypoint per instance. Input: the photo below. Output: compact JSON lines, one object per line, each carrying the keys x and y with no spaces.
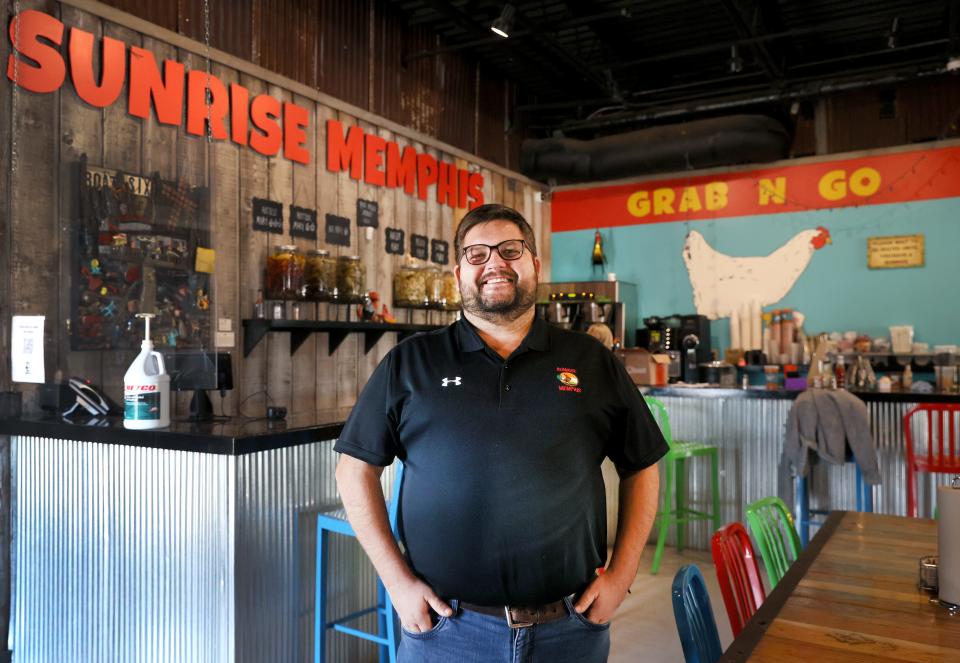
{"x":351,"y":279}
{"x":285,"y":273}
{"x":259,"y":308}
{"x":840,"y":373}
{"x":450,"y":291}
{"x":433,"y":283}
{"x":319,"y":275}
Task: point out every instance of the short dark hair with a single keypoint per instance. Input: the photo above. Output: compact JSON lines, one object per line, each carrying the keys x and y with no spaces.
{"x":492,"y":212}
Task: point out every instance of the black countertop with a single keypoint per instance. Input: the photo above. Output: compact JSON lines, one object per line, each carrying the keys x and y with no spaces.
{"x":782,"y":394}
{"x":231,"y":435}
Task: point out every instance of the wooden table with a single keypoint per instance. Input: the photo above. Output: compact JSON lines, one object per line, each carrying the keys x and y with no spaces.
{"x":853,"y":596}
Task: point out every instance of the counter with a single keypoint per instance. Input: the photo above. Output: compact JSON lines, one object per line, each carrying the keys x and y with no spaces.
{"x":193,"y":543}
{"x":748,"y":427}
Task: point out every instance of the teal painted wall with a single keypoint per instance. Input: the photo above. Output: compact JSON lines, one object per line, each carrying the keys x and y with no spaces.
{"x":837,"y":292}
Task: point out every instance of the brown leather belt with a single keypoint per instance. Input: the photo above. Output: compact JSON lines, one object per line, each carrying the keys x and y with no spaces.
{"x":521,"y":617}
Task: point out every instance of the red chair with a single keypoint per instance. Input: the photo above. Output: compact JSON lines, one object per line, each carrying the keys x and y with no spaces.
{"x":738,"y":574}
{"x":939,"y":454}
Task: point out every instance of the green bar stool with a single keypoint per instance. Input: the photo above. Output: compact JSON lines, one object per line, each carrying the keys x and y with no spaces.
{"x":675,"y":491}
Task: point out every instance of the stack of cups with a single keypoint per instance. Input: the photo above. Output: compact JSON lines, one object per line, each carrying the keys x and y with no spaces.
{"x":948,"y":541}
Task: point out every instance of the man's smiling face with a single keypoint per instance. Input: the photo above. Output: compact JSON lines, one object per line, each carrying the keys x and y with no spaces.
{"x":498,"y":289}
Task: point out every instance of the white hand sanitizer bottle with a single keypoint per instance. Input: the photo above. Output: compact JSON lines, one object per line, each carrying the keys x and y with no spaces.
{"x":146,"y":387}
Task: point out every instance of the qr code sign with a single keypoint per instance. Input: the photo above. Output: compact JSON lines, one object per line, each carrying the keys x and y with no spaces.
{"x":28,"y":345}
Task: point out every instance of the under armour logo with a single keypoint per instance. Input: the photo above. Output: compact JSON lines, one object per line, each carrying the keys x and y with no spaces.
{"x":454,"y":381}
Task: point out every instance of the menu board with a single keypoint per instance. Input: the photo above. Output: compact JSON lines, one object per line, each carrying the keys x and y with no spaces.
{"x":439,"y":251}
{"x":368,"y":213}
{"x":267,"y":216}
{"x":337,"y":230}
{"x":418,"y":246}
{"x":303,"y":222}
{"x":394,"y":241}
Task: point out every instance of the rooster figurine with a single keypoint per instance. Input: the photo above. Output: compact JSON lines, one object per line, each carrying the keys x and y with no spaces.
{"x":598,"y":259}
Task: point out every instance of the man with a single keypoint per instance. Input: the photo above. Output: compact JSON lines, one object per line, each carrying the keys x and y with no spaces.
{"x":502,"y":422}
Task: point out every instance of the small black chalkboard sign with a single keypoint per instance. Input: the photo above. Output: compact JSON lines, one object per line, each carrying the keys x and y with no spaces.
{"x":303,"y":222}
{"x":418,"y":246}
{"x":338,"y":230}
{"x":368,"y":213}
{"x":439,"y":251}
{"x":394,"y":237}
{"x":267,"y":216}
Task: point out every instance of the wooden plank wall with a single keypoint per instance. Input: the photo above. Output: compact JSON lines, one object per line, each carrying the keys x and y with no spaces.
{"x":52,"y":131}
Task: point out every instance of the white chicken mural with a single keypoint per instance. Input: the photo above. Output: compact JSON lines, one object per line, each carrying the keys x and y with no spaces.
{"x":724,"y":284}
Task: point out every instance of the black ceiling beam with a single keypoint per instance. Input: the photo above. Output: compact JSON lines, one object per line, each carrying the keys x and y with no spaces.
{"x":953,"y":20}
{"x":470,"y":26}
{"x":560,"y":52}
{"x":766,"y":61}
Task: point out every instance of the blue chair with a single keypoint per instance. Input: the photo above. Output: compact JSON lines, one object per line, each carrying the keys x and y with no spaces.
{"x":386,"y":636}
{"x":804,"y":512}
{"x":694,"y":615}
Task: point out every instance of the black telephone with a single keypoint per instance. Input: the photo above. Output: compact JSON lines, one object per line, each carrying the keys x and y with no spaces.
{"x":89,"y":398}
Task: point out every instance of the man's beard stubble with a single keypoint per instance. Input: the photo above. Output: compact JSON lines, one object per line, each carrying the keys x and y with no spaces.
{"x":503,"y":311}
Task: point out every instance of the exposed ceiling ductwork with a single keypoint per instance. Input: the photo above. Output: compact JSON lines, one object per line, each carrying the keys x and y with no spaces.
{"x":698,"y":144}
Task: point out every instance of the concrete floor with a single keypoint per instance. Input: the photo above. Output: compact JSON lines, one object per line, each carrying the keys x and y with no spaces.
{"x":643,"y":629}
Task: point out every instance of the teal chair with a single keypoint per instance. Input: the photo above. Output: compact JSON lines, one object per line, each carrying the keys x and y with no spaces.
{"x":386,"y":637}
{"x":675,"y":489}
{"x":772,"y":528}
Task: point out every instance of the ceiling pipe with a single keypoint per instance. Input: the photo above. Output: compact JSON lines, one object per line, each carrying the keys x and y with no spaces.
{"x":805,"y":92}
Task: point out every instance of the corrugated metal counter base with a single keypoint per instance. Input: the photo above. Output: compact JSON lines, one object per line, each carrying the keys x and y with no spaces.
{"x":749,"y":433}
{"x":125,"y":553}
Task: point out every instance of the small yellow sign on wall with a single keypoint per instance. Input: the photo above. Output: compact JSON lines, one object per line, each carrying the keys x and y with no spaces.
{"x":895,"y":251}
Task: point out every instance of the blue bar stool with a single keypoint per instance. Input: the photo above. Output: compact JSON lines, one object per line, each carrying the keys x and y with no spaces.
{"x":804,"y":512}
{"x":386,"y":636}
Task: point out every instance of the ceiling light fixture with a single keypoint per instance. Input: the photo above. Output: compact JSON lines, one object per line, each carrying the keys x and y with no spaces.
{"x":503,"y":24}
{"x":735,"y":63}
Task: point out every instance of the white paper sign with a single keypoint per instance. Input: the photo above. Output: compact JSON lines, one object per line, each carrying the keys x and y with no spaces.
{"x":26,"y":352}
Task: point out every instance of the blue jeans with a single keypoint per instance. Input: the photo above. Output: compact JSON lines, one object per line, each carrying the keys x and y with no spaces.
{"x":472,"y":637}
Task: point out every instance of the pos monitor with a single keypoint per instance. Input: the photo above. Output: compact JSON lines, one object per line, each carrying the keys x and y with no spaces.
{"x":199,"y":371}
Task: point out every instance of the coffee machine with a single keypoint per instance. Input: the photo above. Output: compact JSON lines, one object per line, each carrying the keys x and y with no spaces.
{"x":579,"y":304}
{"x":685,"y":338}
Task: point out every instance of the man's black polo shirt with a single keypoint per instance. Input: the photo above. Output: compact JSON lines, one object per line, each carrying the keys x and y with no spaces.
{"x":502,"y":499}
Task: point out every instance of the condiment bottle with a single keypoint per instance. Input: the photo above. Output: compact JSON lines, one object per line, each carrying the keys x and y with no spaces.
{"x":840,"y":373}
{"x":907,"y":380}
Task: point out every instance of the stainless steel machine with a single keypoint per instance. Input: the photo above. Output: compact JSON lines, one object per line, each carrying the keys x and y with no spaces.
{"x":579,"y":304}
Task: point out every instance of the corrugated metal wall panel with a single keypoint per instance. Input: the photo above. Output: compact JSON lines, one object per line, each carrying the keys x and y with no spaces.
{"x":126,"y":553}
{"x":113,"y":540}
{"x":750,"y":432}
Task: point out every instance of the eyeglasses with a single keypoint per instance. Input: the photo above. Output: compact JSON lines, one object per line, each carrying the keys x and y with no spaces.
{"x":509,"y":249}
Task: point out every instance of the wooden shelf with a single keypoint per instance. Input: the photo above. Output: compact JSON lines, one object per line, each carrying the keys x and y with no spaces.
{"x":254,"y":330}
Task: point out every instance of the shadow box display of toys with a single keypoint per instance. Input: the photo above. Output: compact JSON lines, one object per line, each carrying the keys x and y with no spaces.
{"x":135,"y":251}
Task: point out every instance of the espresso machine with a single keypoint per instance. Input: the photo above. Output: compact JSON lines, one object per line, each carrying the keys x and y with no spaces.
{"x":685,"y":338}
{"x":578,"y":304}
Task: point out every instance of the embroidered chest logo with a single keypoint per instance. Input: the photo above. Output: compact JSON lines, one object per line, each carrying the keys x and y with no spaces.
{"x":567,"y":377}
{"x":454,"y":381}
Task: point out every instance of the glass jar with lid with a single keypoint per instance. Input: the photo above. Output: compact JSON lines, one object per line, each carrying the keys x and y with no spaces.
{"x":409,"y":287}
{"x":351,"y":279}
{"x":285,"y":272}
{"x":450,"y":291}
{"x":433,"y":283}
{"x":319,"y":275}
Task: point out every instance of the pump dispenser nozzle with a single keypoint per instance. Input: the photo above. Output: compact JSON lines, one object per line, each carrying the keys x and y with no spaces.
{"x":146,"y":317}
